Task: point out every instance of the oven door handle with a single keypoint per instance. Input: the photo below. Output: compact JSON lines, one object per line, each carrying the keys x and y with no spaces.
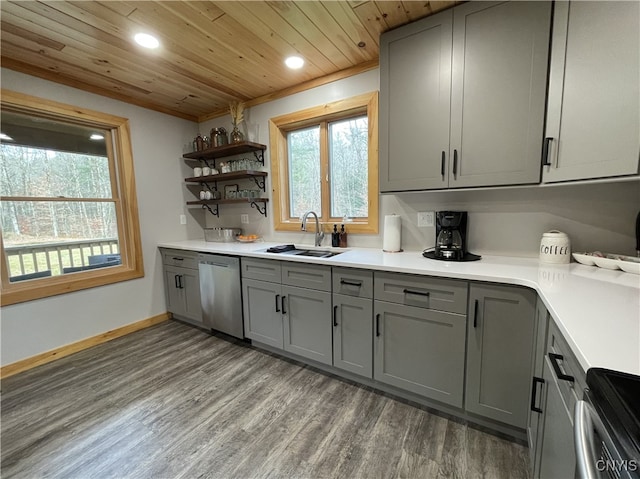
{"x":584,"y":420}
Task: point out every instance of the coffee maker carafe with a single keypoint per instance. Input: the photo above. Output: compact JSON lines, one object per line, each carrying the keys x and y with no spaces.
{"x":451,"y":237}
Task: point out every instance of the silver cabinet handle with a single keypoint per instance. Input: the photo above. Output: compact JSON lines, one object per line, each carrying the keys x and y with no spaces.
{"x":586,"y":457}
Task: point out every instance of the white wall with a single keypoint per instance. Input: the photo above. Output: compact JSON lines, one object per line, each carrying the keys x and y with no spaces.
{"x":507,"y":221}
{"x":158,"y":142}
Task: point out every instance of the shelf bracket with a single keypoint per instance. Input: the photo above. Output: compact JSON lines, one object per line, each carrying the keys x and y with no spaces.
{"x":206,"y":185}
{"x":259,"y":156}
{"x":262,"y":211}
{"x":260,"y":182}
{"x":213,"y":212}
{"x":211,"y":165}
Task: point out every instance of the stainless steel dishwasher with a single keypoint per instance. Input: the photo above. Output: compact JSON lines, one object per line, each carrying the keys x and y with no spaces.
{"x":220,"y":293}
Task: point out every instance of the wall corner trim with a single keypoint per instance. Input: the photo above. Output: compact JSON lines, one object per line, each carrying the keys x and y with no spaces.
{"x":61,"y":352}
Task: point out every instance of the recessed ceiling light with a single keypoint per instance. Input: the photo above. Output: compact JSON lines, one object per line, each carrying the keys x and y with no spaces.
{"x":146,"y":40}
{"x":5,"y":137}
{"x":294,"y":62}
{"x":96,"y":136}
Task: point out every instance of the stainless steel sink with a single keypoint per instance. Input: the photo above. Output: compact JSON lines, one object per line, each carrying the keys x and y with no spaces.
{"x":313,"y":253}
{"x":316,"y":253}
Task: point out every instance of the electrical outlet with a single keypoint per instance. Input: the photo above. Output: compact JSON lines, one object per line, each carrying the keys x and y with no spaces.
{"x":183,"y":219}
{"x":244,"y":219}
{"x":425,"y":218}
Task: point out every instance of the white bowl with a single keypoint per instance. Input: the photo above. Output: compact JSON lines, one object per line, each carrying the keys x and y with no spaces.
{"x":629,"y":266}
{"x":607,"y":263}
{"x":584,"y":258}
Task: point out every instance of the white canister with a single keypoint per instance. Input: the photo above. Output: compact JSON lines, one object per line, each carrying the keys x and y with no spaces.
{"x":555,"y":248}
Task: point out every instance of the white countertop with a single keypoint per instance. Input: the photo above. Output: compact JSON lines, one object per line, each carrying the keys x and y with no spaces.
{"x":597,"y":310}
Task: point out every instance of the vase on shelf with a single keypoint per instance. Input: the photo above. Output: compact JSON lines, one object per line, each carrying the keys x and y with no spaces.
{"x":236,"y":135}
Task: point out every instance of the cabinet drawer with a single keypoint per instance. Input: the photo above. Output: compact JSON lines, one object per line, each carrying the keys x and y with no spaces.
{"x":311,"y":276}
{"x":261,"y":269}
{"x":570,"y":391}
{"x":183,"y":259}
{"x":353,"y":282}
{"x":421,"y":291}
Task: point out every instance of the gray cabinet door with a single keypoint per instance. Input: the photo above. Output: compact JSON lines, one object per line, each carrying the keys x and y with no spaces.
{"x":190,"y":284}
{"x":261,"y":305}
{"x":499,"y":352}
{"x":538,"y":385}
{"x":415,"y":84}
{"x":420,"y":350}
{"x":593,"y":117}
{"x":558,"y":457}
{"x":182,"y":289}
{"x":173,"y":293}
{"x":353,"y":334}
{"x":307,"y":323}
{"x":500,"y":53}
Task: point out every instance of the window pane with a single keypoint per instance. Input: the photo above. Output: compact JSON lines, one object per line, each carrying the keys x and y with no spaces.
{"x":58,"y":236}
{"x":43,"y":157}
{"x":40,"y":172}
{"x":348,"y":164}
{"x":304,"y":171}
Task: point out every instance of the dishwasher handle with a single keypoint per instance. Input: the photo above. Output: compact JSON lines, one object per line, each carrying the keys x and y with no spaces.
{"x":585,"y":417}
{"x":211,"y":263}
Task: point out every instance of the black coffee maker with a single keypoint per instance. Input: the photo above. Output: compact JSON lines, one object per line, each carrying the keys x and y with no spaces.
{"x":451,"y":238}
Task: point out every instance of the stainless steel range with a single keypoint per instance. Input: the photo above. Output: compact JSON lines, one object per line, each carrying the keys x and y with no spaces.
{"x":607,"y":426}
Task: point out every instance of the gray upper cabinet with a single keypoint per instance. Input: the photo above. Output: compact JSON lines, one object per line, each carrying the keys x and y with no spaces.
{"x":593,"y":119}
{"x":462,"y":97}
{"x":500,"y":55}
{"x":499,"y":352}
{"x":415,"y":96}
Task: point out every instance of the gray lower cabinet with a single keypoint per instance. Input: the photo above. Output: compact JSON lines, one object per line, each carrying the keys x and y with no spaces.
{"x":499,"y":352}
{"x":307,"y":323}
{"x":353,"y":334}
{"x":593,"y":119}
{"x":558,"y":457}
{"x":279,"y":313}
{"x":182,"y":285}
{"x":538,"y":386}
{"x":261,"y":306}
{"x":420,"y":350}
{"x":564,"y":385}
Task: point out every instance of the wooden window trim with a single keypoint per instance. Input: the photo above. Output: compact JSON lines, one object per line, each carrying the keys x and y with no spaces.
{"x":130,"y":244}
{"x":281,"y":125}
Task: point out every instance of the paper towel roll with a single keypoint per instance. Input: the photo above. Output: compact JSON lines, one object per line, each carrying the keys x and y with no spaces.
{"x":392,"y":239}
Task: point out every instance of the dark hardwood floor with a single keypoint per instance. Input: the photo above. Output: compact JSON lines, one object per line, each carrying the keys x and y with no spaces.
{"x":174,"y":402}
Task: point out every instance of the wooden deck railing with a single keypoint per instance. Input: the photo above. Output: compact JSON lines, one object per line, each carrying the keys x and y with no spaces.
{"x":33,"y":258}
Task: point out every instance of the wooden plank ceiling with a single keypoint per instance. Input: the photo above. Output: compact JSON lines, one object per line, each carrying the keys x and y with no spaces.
{"x":211,"y":53}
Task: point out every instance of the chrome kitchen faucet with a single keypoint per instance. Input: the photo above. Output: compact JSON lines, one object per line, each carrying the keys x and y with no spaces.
{"x":319,"y":234}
